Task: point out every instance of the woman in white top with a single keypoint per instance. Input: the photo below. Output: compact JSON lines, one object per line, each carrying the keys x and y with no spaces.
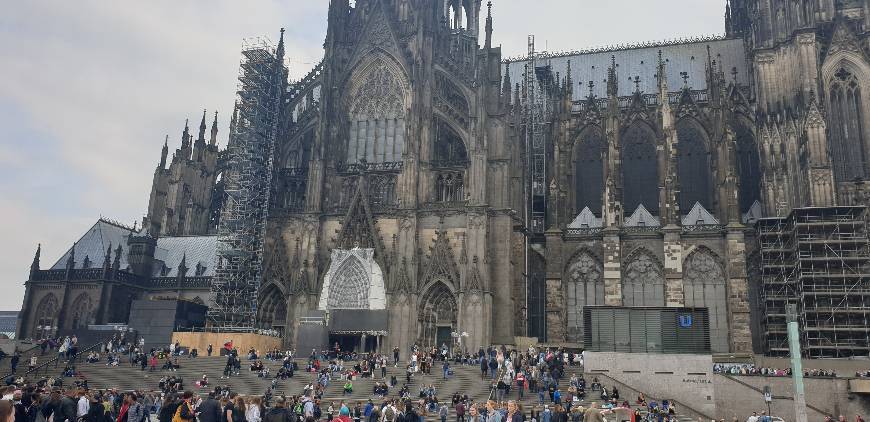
{"x":252,"y":413}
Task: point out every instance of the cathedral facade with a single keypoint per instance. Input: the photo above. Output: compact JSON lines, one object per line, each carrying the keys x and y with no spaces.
{"x":490,"y":198}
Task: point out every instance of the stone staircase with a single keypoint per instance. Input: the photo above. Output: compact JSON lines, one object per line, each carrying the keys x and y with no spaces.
{"x":465,"y":380}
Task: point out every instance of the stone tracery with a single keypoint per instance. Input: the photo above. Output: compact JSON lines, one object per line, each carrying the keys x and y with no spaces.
{"x":585,"y":286}
{"x":643,"y":281}
{"x":704,"y":286}
{"x":376,"y":115}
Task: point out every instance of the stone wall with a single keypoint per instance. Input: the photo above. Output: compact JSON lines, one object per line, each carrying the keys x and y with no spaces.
{"x":685,"y":378}
{"x":824,"y":396}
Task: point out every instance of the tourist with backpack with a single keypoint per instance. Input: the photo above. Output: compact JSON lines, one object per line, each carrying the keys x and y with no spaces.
{"x":184,"y":412}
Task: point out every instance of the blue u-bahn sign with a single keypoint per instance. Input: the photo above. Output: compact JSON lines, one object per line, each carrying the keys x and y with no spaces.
{"x":685,"y":320}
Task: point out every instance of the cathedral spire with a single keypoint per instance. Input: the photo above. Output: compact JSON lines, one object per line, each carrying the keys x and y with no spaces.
{"x":214,"y":130}
{"x":662,"y":78}
{"x":34,"y":266}
{"x":507,"y":86}
{"x":185,"y":134}
{"x":729,"y":28}
{"x":182,"y":266}
{"x":569,"y":82}
{"x":116,"y":263}
{"x":185,"y":141}
{"x":235,"y":119}
{"x":488,"y":42}
{"x":202,"y":127}
{"x":279,"y":54}
{"x":612,"y":83}
{"x":71,"y":259}
{"x":164,"y":152}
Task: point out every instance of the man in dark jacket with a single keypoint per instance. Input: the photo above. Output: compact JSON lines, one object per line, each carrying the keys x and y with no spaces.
{"x":279,"y":413}
{"x":209,"y":410}
{"x":68,"y":407}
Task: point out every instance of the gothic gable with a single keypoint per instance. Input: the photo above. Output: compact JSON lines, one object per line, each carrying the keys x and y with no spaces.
{"x":843,"y":39}
{"x":358,"y":229}
{"x":441,"y":265}
{"x":378,"y":34}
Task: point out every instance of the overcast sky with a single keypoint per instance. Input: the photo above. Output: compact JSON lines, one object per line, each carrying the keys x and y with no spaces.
{"x":89,"y":89}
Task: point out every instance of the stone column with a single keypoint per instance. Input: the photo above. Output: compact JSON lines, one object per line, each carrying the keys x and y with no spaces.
{"x":674,"y":295}
{"x":554,"y":304}
{"x":738,"y":290}
{"x":612,"y":267}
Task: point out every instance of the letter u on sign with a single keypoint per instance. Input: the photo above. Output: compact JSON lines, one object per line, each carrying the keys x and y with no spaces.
{"x":685,"y":321}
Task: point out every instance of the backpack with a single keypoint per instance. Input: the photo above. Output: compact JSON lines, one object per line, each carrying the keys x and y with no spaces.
{"x":389,"y":414}
{"x":177,"y":417}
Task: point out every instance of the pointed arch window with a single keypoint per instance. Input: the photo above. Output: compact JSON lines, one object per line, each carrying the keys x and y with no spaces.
{"x":376,"y":116}
{"x":748,"y":170}
{"x":82,"y":312}
{"x":449,"y":161}
{"x":848,"y":151}
{"x":46,"y":317}
{"x":640,"y":169}
{"x":585,"y":287}
{"x":704,"y":287}
{"x":589,"y":170}
{"x":693,"y":165}
{"x":643,"y":282}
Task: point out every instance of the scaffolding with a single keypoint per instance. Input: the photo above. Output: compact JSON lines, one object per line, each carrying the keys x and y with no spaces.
{"x":537,"y":81}
{"x":247,"y":178}
{"x":819,"y":260}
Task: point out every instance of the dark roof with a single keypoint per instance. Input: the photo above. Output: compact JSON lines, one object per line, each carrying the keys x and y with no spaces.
{"x":195,"y":249}
{"x":689,"y":56}
{"x":93,"y":244}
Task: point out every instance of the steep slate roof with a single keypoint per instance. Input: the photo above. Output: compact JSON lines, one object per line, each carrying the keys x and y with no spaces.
{"x":194,"y":249}
{"x":689,"y":56}
{"x":753,"y":214}
{"x":585,"y":220}
{"x":642,"y":218}
{"x":95,"y":241}
{"x":699,"y":216}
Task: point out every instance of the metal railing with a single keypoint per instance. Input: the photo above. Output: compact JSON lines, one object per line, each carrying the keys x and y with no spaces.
{"x":45,"y":364}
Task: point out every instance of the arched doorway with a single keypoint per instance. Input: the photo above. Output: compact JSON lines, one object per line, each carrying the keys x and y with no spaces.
{"x":437,"y":316}
{"x":273,"y":309}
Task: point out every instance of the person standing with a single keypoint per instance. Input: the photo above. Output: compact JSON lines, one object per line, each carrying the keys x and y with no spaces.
{"x":185,"y":412}
{"x":135,"y":410}
{"x":252,"y":413}
{"x":442,"y":411}
{"x":13,"y":362}
{"x":209,"y":410}
{"x":208,"y":350}
{"x":84,"y":405}
{"x":460,"y":411}
{"x":278,"y":413}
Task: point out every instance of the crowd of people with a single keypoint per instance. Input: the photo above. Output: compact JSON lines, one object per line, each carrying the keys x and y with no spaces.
{"x":751,"y":369}
{"x":553,"y":379}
